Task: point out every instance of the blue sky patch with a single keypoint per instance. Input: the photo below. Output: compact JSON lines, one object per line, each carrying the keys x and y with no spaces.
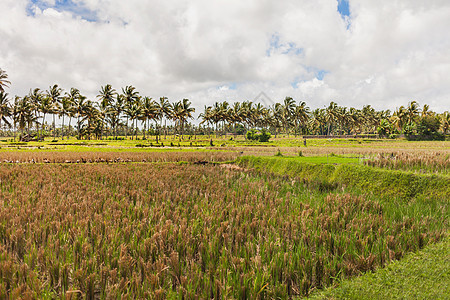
{"x":77,"y":10}
{"x":343,"y":8}
{"x":275,"y":45}
{"x":320,"y":74}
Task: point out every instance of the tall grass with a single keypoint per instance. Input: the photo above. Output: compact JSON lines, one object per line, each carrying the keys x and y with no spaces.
{"x":430,"y":162}
{"x":113,"y":157}
{"x":164,"y":230}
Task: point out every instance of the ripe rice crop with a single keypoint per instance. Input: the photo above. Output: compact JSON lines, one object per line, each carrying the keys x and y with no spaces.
{"x":161,"y":230}
{"x":98,"y":157}
{"x":430,"y":162}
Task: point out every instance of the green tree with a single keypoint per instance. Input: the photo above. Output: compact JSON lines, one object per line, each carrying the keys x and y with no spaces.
{"x":106,"y":96}
{"x":288,"y":110}
{"x":53,"y":94}
{"x":183,"y":111}
{"x":131,"y":96}
{"x":65,"y":109}
{"x":81,"y":107}
{"x":164,"y":111}
{"x":149,"y":111}
{"x":4,"y":82}
{"x":133,"y":111}
{"x":445,"y":122}
{"x":5,"y":109}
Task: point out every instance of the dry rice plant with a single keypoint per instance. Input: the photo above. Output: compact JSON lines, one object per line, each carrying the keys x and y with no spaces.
{"x":431,"y":162}
{"x":161,"y":230}
{"x":113,"y":157}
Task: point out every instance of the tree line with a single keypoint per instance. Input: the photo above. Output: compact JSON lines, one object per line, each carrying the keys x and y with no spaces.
{"x":126,"y":112}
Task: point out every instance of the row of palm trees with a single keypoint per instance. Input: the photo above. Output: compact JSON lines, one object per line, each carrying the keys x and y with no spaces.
{"x":289,"y":117}
{"x":115,"y":110}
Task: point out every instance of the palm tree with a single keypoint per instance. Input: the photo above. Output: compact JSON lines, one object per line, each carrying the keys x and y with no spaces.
{"x":53,"y":95}
{"x":445,"y":122}
{"x":164,"y":111}
{"x":412,"y":111}
{"x":287,"y":112}
{"x":133,"y":111}
{"x":399,"y":118}
{"x":5,"y":109}
{"x":115,"y":111}
{"x":35,"y":96}
{"x":256,"y":115}
{"x":80,"y":108}
{"x":206,"y":117}
{"x":14,"y":113}
{"x":332,"y":115}
{"x":215,"y":115}
{"x":223,"y":115}
{"x":72,"y":97}
{"x":182,"y":112}
{"x":106,"y":97}
{"x":95,"y":121}
{"x":4,"y":82}
{"x":369,"y":117}
{"x":130,"y":96}
{"x":277,"y":111}
{"x":301,"y":116}
{"x":148,"y":112}
{"x":24,"y":113}
{"x":426,"y":111}
{"x":65,"y":108}
{"x":236,"y":114}
{"x":318,"y":121}
{"x":45,"y":106}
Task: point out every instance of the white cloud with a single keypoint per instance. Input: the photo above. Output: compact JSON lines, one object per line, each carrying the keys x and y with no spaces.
{"x":393,"y":52}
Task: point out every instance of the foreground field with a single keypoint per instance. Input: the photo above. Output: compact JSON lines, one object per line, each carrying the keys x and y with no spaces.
{"x":421,"y":275}
{"x":173,"y":230}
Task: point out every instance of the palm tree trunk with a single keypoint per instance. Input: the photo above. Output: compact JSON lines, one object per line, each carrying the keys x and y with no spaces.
{"x":70,"y":120}
{"x":54,"y":126}
{"x":43,"y":122}
{"x":62,"y":127}
{"x":126,"y":128}
{"x":165,"y":128}
{"x":159,"y":130}
{"x":78,"y":127}
{"x":144,"y":124}
{"x":156,"y":134}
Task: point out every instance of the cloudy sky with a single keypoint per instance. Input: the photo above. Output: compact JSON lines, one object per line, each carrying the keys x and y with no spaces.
{"x":356,"y":52}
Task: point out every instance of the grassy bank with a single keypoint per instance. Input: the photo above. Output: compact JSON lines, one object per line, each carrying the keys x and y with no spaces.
{"x":421,"y":275}
{"x":401,"y":184}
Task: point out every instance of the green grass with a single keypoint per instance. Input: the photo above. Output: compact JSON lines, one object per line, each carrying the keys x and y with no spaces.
{"x":240,"y":141}
{"x":330,"y":159}
{"x":385,"y":183}
{"x":421,"y":275}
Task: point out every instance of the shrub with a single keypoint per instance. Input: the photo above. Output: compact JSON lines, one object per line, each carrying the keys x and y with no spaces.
{"x":255,"y":135}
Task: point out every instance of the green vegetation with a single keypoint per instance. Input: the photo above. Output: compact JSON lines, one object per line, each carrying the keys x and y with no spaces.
{"x":172,"y":230}
{"x":76,"y":221}
{"x":111,"y":114}
{"x":253,"y":135}
{"x":382,"y":182}
{"x":421,"y":275}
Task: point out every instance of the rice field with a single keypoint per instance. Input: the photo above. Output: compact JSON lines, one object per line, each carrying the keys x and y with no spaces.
{"x":115,"y":157}
{"x":102,"y":231}
{"x":430,"y":162}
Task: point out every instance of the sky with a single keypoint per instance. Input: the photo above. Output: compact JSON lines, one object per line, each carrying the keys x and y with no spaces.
{"x":353,"y":52}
